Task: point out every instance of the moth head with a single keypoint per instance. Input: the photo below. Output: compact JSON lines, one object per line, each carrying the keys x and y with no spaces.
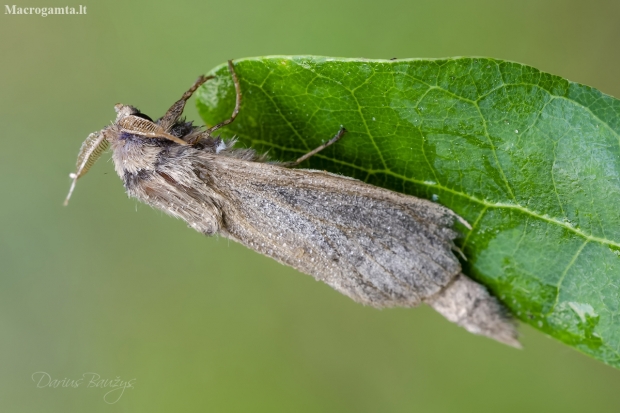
{"x":125,"y":111}
{"x":92,"y":148}
{"x":122,"y":111}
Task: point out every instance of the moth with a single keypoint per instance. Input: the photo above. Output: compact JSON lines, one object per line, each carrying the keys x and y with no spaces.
{"x":379,"y":247}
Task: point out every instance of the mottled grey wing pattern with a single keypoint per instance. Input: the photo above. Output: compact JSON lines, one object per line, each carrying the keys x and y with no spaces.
{"x":378,"y":247}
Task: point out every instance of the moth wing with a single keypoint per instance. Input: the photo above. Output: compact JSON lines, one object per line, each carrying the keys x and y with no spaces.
{"x":378,"y":247}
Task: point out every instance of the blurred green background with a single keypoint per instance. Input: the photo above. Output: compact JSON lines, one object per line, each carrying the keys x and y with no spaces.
{"x":110,"y":286}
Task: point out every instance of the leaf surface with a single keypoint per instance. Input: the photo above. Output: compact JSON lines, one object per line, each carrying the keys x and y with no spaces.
{"x":531,"y":160}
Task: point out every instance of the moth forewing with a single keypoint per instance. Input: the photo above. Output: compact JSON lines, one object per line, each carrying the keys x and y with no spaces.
{"x":379,"y":247}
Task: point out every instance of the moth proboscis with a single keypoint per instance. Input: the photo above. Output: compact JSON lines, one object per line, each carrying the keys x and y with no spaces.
{"x":381,"y":248}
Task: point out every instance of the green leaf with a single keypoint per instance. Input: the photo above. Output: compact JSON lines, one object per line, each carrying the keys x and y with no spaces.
{"x":531,"y":160}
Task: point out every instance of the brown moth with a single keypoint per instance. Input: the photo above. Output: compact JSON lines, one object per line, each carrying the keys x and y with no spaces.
{"x":379,"y":247}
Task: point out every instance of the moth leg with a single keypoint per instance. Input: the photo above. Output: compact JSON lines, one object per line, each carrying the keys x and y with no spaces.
{"x":231,"y":69}
{"x":175,"y":111}
{"x":333,"y":140}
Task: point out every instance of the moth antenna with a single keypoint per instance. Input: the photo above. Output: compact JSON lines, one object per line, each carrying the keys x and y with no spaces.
{"x":74,"y":176}
{"x":92,"y":148}
{"x":146,"y":128}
